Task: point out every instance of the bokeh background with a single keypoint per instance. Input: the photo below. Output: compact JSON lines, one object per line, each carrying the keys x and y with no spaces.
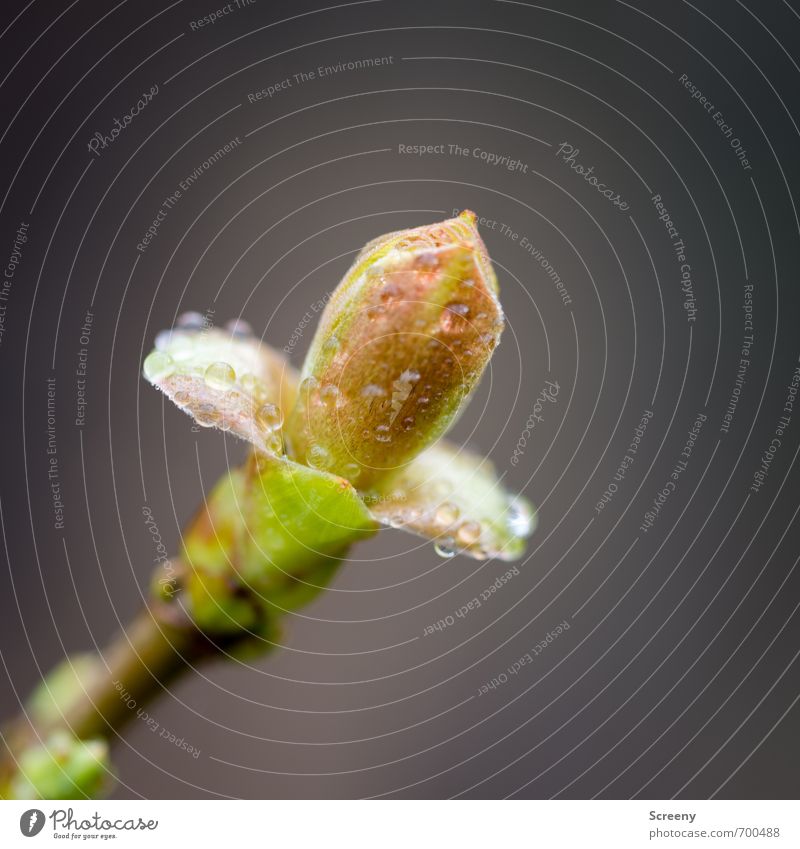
{"x":678,"y":673}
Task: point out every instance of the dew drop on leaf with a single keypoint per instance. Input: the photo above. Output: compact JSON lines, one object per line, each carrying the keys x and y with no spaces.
{"x":446,"y":513}
{"x":269,"y":417}
{"x":444,"y":548}
{"x":207,"y":415}
{"x":191,"y":321}
{"x":520,"y":520}
{"x":468,"y":533}
{"x":220,"y":375}
{"x":239,"y":328}
{"x":158,"y":365}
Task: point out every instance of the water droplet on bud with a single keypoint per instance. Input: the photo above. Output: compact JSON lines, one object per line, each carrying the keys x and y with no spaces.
{"x":351,"y":471}
{"x":330,"y":396}
{"x":318,"y":457}
{"x":372,"y":390}
{"x":331,"y":345}
{"x":453,"y":320}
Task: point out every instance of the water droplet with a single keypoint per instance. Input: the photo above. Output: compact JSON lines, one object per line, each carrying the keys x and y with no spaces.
{"x":444,"y":548}
{"x":191,"y":321}
{"x":307,"y":386}
{"x":330,"y":395}
{"x":408,"y":422}
{"x":382,"y":433}
{"x":158,"y":366}
{"x":272,"y":441}
{"x":372,"y":390}
{"x":269,"y":418}
{"x":396,"y":521}
{"x":182,"y":398}
{"x":389,"y":292}
{"x":520,"y":520}
{"x":351,"y":471}
{"x":239,"y":327}
{"x":252,"y":385}
{"x":454,"y":318}
{"x":163,"y":338}
{"x":220,"y":375}
{"x":207,"y":415}
{"x":446,"y":513}
{"x":423,"y":401}
{"x":469,"y":533}
{"x":331,"y":345}
{"x":318,"y":457}
{"x":426,"y":260}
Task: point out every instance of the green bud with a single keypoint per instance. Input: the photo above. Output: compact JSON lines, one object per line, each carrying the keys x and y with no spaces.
{"x":62,"y":767}
{"x":400,"y":347}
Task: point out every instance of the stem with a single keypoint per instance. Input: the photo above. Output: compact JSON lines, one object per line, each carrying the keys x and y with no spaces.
{"x":140,"y":661}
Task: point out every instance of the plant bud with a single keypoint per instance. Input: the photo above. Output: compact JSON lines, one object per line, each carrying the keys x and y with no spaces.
{"x":400,"y":347}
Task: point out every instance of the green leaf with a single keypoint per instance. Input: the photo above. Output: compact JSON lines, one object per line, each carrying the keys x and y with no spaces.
{"x":455,"y":498}
{"x":226,"y":380}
